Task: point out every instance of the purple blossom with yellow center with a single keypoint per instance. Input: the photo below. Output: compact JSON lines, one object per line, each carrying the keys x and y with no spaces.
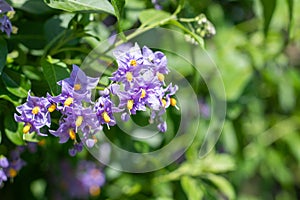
{"x":129,"y":102}
{"x":104,"y":109}
{"x":34,"y":114}
{"x":129,"y":65}
{"x":157,"y":63}
{"x":75,"y":120}
{"x":10,"y":169}
{"x":30,"y":125}
{"x":86,"y":121}
{"x":143,"y":85}
{"x":66,"y":129}
{"x":65,"y":99}
{"x":81,"y":84}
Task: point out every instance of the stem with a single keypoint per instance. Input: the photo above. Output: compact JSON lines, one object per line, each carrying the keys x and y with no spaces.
{"x":143,"y":29}
{"x":100,"y":88}
{"x":186,"y":19}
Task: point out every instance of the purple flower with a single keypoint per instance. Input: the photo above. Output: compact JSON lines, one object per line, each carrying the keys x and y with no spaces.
{"x":66,"y":129}
{"x":144,"y":84}
{"x":129,"y":64}
{"x":104,"y":110}
{"x":81,"y":84}
{"x":130,"y":103}
{"x":3,"y":176}
{"x":5,"y":7}
{"x":5,"y":25}
{"x":34,"y":114}
{"x":76,"y":149}
{"x":3,"y":162}
{"x":65,"y":99}
{"x":15,"y":163}
{"x":79,"y":182}
{"x":157,"y":60}
{"x":91,"y":177}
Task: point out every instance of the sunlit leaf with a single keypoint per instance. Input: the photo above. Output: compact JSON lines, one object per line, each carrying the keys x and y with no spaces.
{"x":16,"y":84}
{"x":152,"y":16}
{"x":13,"y":130}
{"x":191,"y":188}
{"x":82,"y":5}
{"x":223,"y":185}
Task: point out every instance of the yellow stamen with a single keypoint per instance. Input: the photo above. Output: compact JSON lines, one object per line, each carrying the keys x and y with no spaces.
{"x":133,"y":63}
{"x":173,"y":102}
{"x":77,"y":86}
{"x":12,"y":173}
{"x":160,"y":76}
{"x":72,"y":134}
{"x":94,"y":190}
{"x":52,"y":107}
{"x":26,"y":128}
{"x":106,"y":117}
{"x":35,"y":110}
{"x":78,"y":121}
{"x":164,"y":102}
{"x":68,"y":101}
{"x":130,"y":104}
{"x":143,"y":94}
{"x":129,"y":76}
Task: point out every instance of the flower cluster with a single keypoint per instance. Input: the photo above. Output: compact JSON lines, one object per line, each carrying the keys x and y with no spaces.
{"x":9,"y":168}
{"x":139,"y":83}
{"x":83,"y":181}
{"x":142,"y":72}
{"x":75,"y":92}
{"x":5,"y":24}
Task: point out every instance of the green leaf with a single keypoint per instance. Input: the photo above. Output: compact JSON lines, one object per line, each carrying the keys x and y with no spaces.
{"x":3,"y":54}
{"x":0,"y":136}
{"x":191,"y":188}
{"x":6,"y":95}
{"x":17,"y":84}
{"x":118,"y":7}
{"x":37,"y":7}
{"x":13,"y":130}
{"x":54,"y":71}
{"x":31,"y":137}
{"x":82,"y":5}
{"x":268,"y":10}
{"x":152,"y":16}
{"x":223,"y":185}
